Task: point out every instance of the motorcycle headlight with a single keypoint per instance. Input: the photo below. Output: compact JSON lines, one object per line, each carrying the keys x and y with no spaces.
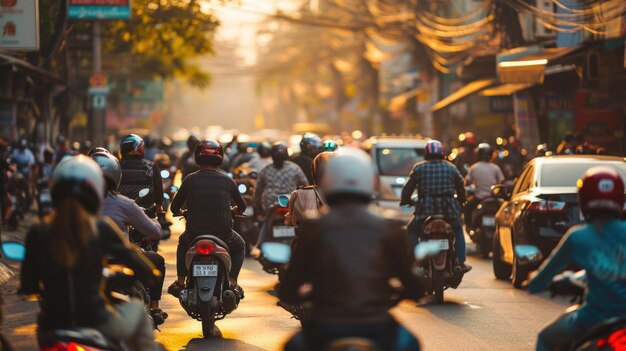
{"x":165,"y":174}
{"x":242,"y":188}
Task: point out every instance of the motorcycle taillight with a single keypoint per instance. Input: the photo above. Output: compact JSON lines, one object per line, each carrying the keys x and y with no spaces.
{"x":281,"y":211}
{"x":205,"y":247}
{"x":71,"y":346}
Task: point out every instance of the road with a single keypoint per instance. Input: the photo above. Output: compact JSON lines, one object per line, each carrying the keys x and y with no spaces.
{"x":483,"y":314}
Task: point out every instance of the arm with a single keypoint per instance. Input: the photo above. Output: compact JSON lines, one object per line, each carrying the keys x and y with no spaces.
{"x":302,"y":179}
{"x":258,"y":192}
{"x":116,"y":245}
{"x":29,"y":278}
{"x":459,"y":185}
{"x":398,"y":251}
{"x":558,"y":260}
{"x":300,"y":270}
{"x":499,"y":175}
{"x":180,"y":198}
{"x":144,"y":224}
{"x":290,"y":217}
{"x":237,"y":198}
{"x":409,"y":188}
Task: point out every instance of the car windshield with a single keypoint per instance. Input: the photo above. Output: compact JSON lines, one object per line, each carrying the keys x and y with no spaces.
{"x":398,"y":161}
{"x":566,"y":175}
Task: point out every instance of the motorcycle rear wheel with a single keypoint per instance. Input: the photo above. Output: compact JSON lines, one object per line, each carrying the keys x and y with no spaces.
{"x":484,"y":244}
{"x":438,"y":286}
{"x":208,"y":321}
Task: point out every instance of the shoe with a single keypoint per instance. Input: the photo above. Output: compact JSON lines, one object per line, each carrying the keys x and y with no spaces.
{"x":158,"y":316}
{"x":465,"y":267}
{"x":175,"y":289}
{"x":238,"y":290}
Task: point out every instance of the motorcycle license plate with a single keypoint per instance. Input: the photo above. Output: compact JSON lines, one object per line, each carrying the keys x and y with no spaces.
{"x":205,"y":270}
{"x":489,"y":221}
{"x":45,"y":197}
{"x":443,"y":244}
{"x":284,"y":232}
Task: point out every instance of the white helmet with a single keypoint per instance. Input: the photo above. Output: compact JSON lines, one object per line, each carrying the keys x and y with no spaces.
{"x":349,"y":172}
{"x":79,"y":177}
{"x":110,"y":166}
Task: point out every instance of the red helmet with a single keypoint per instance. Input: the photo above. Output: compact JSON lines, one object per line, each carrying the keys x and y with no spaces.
{"x":209,"y":153}
{"x":469,"y":138}
{"x":601,"y":189}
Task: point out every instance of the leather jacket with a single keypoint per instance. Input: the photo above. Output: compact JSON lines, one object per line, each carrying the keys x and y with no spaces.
{"x":348,"y":256}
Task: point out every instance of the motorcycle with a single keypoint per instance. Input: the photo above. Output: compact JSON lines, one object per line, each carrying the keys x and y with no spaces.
{"x":135,"y":237}
{"x":275,"y":231}
{"x":207,"y":294}
{"x":608,"y":335}
{"x":482,"y":226}
{"x":441,"y":271}
{"x":247,"y":226}
{"x":44,"y":197}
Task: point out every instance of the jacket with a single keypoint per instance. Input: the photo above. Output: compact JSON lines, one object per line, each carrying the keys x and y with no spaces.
{"x":304,"y":202}
{"x":348,"y":256}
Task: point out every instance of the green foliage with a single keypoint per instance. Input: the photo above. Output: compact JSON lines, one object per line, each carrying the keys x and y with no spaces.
{"x":163,"y":37}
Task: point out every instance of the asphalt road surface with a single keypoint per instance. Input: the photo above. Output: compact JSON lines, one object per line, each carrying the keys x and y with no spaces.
{"x":483,"y":314}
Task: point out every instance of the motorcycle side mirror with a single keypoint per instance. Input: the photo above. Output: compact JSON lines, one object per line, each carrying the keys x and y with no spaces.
{"x":165,"y":174}
{"x":13,"y":250}
{"x":144,"y":192}
{"x":500,"y":191}
{"x":242,"y":188}
{"x":528,"y":255}
{"x":427,"y":249}
{"x":283,"y":200}
{"x":276,"y":252}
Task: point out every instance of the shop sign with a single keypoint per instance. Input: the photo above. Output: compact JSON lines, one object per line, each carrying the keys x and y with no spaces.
{"x":98,"y":9}
{"x":526,"y":119}
{"x":19,"y":25}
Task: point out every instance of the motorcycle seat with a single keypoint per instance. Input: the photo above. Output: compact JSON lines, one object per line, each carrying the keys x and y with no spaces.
{"x":84,"y":336}
{"x":217,"y":240}
{"x":434,"y":218}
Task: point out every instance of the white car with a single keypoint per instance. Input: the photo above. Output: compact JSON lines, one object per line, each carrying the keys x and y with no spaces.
{"x":394,"y":158}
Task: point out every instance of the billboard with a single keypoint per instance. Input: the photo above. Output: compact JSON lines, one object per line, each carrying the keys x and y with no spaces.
{"x":19,"y":25}
{"x":98,"y":9}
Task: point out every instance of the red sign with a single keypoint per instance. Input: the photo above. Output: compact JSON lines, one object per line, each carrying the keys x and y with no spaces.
{"x":8,"y":3}
{"x":98,"y":79}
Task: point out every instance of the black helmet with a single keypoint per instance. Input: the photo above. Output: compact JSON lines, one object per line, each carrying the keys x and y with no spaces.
{"x":279,"y":153}
{"x":311,"y":144}
{"x":485,"y":152}
{"x":264,"y":149}
{"x":48,"y":154}
{"x":192,"y":142}
{"x":208,"y":153}
{"x":132,"y":146}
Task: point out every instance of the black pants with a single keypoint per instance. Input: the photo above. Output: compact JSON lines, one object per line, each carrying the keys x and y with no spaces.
{"x":158,"y":261}
{"x":236,"y":247}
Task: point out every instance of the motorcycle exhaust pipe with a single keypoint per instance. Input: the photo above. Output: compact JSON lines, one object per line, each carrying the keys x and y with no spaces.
{"x":230,"y":300}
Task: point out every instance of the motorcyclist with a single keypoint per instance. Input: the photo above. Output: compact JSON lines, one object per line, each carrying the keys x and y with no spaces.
{"x":186,"y":163}
{"x":482,"y":175}
{"x":265,"y":157}
{"x":308,"y":201}
{"x":440,"y":191}
{"x":125,"y":212}
{"x":138,"y":173}
{"x":598,"y":247}
{"x":542,"y":150}
{"x":23,"y":157}
{"x":244,"y":155}
{"x":282,"y":177}
{"x":208,"y":195}
{"x":152,"y":148}
{"x":363,"y":251}
{"x":567,"y":145}
{"x":64,"y":258}
{"x":310,"y":146}
{"x":468,"y":155}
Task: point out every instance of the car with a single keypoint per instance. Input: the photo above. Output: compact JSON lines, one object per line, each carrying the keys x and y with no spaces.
{"x":393,"y":158}
{"x":541,"y":208}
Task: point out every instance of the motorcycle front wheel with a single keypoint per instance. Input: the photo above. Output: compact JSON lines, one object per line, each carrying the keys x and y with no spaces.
{"x":208,"y":320}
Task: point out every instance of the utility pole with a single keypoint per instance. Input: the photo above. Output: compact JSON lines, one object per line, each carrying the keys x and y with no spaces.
{"x":97,"y":110}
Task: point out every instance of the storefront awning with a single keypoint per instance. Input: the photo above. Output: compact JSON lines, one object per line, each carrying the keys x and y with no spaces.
{"x":505,"y":89}
{"x":398,"y":102}
{"x":462,"y":93}
{"x":527,"y":65}
{"x":29,"y":68}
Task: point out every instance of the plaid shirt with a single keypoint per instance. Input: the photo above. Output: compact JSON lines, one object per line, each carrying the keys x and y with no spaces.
{"x":436,"y":181}
{"x":273,"y":182}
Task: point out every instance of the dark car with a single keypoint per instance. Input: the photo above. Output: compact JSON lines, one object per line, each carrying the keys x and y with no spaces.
{"x":541,"y":208}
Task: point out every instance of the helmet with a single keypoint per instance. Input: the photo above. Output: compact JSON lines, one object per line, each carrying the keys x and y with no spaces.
{"x":349,"y":172}
{"x":48,"y":154}
{"x":131,"y":146}
{"x":311,"y":144}
{"x":434,"y":149}
{"x":601,"y":189}
{"x":318,"y":165}
{"x":264,"y":149}
{"x":542,"y":150}
{"x":81,"y":178}
{"x":242,"y":148}
{"x":485,"y":152}
{"x":208,"y":153}
{"x":97,"y":150}
{"x":330,"y":145}
{"x":192,"y":142}
{"x":469,"y":138}
{"x":279,"y":153}
{"x":110,"y":166}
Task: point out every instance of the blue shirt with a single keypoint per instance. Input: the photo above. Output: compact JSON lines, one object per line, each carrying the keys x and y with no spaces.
{"x":601,"y":251}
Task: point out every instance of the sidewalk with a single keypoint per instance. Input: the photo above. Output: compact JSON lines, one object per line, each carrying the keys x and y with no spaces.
{"x":20,"y":316}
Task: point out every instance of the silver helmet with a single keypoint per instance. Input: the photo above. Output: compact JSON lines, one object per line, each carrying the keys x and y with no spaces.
{"x":110,"y":166}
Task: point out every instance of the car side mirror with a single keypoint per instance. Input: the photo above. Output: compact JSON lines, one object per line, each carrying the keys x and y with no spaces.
{"x":528,"y":255}
{"x":500,"y":191}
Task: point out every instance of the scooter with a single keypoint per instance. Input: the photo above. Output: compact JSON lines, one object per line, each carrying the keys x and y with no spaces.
{"x":441,"y":271}
{"x":247,"y":226}
{"x":483,"y":224}
{"x":207,"y":294}
{"x":143,"y":201}
{"x":609,"y":335}
{"x":275,"y":231}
